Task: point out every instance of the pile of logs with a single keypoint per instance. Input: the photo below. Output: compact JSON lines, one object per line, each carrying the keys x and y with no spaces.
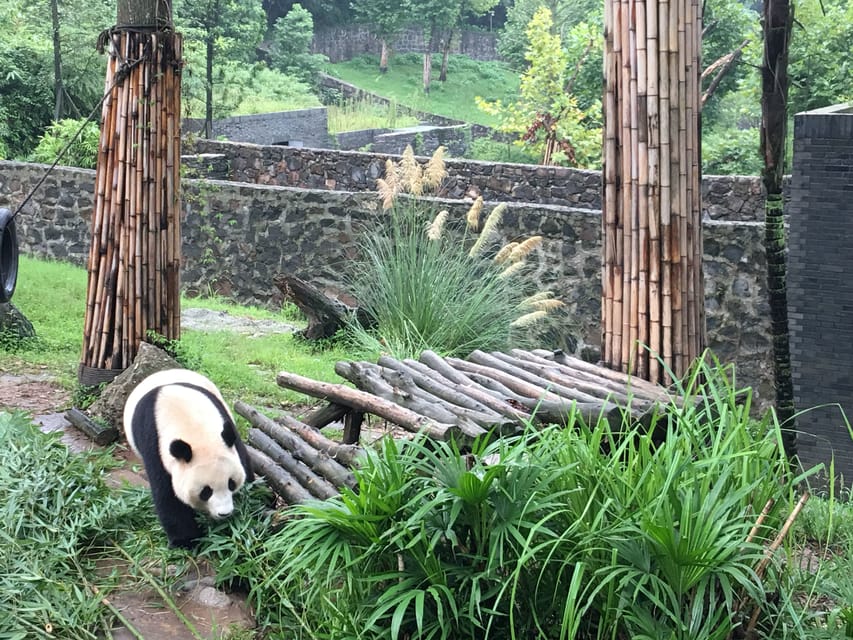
{"x":443,"y":398}
{"x":298,"y":462}
{"x":450,"y":397}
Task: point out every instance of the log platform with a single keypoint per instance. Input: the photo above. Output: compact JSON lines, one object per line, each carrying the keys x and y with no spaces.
{"x":442,"y":397}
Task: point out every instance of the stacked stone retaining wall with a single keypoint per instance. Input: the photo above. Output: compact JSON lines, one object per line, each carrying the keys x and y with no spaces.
{"x":726,"y":198}
{"x":237,"y":236}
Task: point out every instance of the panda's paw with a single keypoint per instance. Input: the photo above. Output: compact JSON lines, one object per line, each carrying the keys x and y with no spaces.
{"x":183,"y":543}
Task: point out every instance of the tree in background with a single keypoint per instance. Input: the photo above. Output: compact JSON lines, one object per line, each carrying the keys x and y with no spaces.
{"x":465,"y":10}
{"x":219,"y":28}
{"x":546,"y":116}
{"x":31,"y":84}
{"x":326,"y":13}
{"x":777,"y":21}
{"x":386,"y":19}
{"x":290,"y":51}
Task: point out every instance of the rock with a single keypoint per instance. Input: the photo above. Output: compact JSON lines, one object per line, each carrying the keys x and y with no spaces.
{"x":13,"y":324}
{"x":212,"y":597}
{"x":148,"y":360}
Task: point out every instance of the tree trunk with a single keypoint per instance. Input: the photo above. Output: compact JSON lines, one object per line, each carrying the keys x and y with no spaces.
{"x":383,"y":57}
{"x":208,"y":88}
{"x":135,"y":252}
{"x":445,"y":55}
{"x":428,"y":61}
{"x":653,"y":319}
{"x":57,"y":62}
{"x":778,"y":19}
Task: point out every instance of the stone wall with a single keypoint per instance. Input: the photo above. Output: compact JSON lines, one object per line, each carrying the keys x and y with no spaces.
{"x":820,"y":289}
{"x":724,"y":198}
{"x":237,"y":236}
{"x":298,"y":128}
{"x":345,"y":43}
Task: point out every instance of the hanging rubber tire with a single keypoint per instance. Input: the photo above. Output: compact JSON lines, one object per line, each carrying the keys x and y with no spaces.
{"x":8,"y":255}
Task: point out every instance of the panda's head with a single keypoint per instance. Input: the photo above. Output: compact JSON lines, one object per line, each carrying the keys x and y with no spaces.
{"x":206,"y":483}
{"x":198,"y":448}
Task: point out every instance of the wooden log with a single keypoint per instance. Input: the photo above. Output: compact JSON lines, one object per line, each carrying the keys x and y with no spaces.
{"x":369,"y":377}
{"x":511,"y":370}
{"x":319,"y":461}
{"x":326,"y":315}
{"x":478,"y":394}
{"x":346,"y":454}
{"x":368,"y":403}
{"x":325,"y":415}
{"x":352,"y":427}
{"x":277,"y":478}
{"x":310,"y":481}
{"x":98,"y":433}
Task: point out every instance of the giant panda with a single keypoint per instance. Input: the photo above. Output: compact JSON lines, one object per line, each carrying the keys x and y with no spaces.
{"x":178,"y":423}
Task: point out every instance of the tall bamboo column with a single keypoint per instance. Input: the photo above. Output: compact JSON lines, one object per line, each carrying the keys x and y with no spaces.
{"x":135,"y":254}
{"x":652,"y":302}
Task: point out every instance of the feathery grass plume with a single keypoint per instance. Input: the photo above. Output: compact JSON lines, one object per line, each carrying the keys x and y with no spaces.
{"x":473,"y":216}
{"x":437,"y":225}
{"x":511,"y":270}
{"x":524,"y":249}
{"x":414,"y":179}
{"x":489,"y":229}
{"x":548,"y":304}
{"x":410,"y":170}
{"x":435,"y":171}
{"x":529,"y":301}
{"x":502,"y":255}
{"x":387,"y":193}
{"x":529,"y":318}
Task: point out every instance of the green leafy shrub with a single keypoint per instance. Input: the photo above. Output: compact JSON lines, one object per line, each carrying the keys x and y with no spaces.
{"x":427,"y":287}
{"x":82,"y":150}
{"x":290,"y":52}
{"x":731,"y":152}
{"x":589,"y":531}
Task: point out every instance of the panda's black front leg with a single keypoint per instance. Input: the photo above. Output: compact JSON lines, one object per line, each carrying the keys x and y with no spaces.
{"x":178,"y":519}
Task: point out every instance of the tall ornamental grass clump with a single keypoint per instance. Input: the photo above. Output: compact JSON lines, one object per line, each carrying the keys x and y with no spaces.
{"x":587,"y":531}
{"x":429,"y":282}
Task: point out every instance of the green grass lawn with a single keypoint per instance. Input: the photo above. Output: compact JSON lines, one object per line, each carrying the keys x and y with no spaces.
{"x":52,"y":295}
{"x":466,"y":79}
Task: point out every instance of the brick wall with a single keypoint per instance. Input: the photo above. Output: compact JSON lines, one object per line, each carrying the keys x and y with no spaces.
{"x":820,"y":286}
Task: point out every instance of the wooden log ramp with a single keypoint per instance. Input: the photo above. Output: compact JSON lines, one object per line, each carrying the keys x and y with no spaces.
{"x":487,"y":392}
{"x":444,"y":398}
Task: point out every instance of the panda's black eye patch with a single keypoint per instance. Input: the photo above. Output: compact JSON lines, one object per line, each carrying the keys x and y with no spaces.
{"x":205,"y":493}
{"x":232,"y":486}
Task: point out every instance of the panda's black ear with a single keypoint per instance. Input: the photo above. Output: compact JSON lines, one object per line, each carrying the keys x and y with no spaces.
{"x":181,"y":450}
{"x":229,"y":433}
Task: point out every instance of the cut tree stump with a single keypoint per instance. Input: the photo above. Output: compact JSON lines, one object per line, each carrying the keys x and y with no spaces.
{"x":326,"y":315}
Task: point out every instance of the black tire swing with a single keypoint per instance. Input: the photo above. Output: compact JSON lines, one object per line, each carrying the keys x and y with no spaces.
{"x":8,"y":255}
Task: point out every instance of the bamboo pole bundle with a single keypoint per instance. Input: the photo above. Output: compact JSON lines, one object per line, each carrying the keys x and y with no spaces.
{"x":134,"y":257}
{"x":652,"y":285}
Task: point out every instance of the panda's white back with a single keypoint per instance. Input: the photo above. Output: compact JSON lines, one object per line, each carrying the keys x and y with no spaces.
{"x":174,"y":402}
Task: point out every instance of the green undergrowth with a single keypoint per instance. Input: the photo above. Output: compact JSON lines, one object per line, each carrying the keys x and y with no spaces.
{"x":592,"y":531}
{"x":454,"y":98}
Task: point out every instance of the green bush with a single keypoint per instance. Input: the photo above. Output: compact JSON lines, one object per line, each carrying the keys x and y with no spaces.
{"x":589,"y":531}
{"x":450,"y":291}
{"x":731,"y":152}
{"x":81,"y":152}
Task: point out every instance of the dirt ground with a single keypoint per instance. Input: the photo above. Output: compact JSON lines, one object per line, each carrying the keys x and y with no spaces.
{"x":211,"y":611}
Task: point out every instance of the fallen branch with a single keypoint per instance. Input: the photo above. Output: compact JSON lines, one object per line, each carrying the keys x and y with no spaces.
{"x":280,"y":481}
{"x":313,"y":483}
